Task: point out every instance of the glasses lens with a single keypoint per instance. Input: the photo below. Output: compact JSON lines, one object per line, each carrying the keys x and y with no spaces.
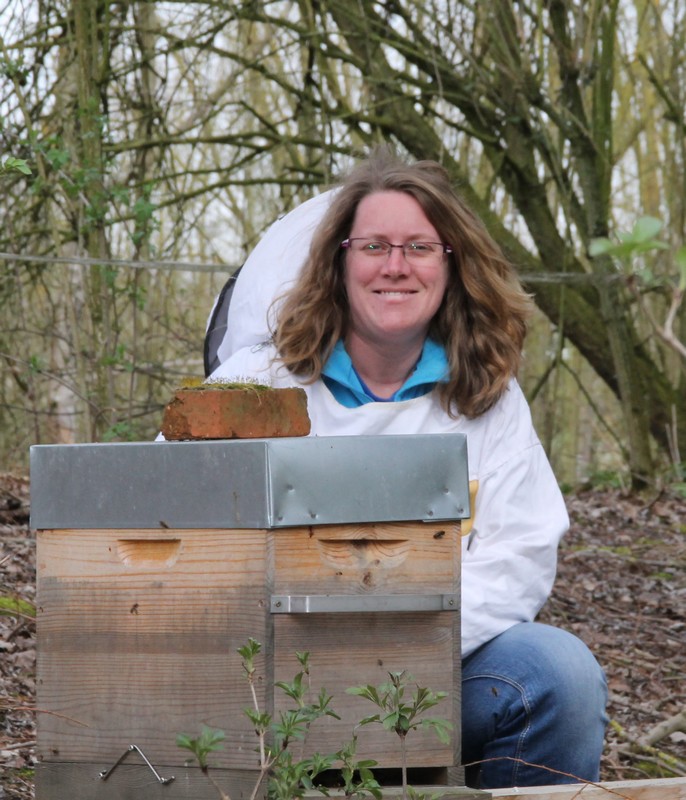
{"x":413,"y":251}
{"x":370,"y":247}
{"x":422,"y":250}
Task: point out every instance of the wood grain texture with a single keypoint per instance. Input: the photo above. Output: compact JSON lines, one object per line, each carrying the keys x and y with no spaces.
{"x":353,"y":649}
{"x":138,"y":632}
{"x":134,"y":649}
{"x":345,"y":651}
{"x":660,"y":789}
{"x":386,"y":558}
{"x":131,"y":781}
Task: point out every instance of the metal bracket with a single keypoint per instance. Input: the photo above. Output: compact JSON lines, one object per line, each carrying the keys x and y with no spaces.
{"x":356,"y":603}
{"x":105,"y":774}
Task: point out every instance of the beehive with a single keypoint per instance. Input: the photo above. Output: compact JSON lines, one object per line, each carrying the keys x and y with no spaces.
{"x":157,"y":561}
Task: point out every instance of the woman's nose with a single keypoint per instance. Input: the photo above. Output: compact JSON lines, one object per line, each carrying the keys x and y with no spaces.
{"x":396,"y":263}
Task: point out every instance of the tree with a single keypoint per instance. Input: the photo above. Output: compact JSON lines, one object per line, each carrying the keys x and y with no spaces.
{"x":530,"y":88}
{"x":158,"y":125}
{"x":135,"y":155}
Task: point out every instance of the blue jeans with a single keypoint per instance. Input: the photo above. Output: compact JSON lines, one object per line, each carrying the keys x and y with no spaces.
{"x":534,"y":694}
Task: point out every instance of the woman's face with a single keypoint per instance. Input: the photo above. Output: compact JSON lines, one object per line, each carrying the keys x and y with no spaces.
{"x":392,"y":298}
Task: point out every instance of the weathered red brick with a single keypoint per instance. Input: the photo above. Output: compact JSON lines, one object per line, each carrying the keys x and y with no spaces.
{"x":243,"y":413}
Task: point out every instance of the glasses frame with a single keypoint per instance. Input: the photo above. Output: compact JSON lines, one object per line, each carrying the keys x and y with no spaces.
{"x":346,"y":245}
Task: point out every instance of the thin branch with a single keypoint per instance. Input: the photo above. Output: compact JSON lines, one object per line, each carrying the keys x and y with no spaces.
{"x":664,"y":729}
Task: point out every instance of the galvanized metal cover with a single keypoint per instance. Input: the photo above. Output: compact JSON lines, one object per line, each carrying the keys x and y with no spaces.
{"x":250,"y":483}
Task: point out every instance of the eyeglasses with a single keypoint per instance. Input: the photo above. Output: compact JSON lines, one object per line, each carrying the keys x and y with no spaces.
{"x":414,"y":252}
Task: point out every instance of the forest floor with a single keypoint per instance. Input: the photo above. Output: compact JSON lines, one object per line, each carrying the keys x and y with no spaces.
{"x":621,"y":587}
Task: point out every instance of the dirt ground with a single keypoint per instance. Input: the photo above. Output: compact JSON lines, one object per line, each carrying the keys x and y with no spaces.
{"x":621,"y":587}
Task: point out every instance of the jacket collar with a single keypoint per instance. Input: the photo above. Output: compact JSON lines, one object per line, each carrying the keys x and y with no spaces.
{"x":345,"y":384}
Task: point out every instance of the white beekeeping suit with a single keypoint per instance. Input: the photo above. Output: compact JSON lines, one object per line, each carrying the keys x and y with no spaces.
{"x":518,"y":514}
{"x":243,"y":314}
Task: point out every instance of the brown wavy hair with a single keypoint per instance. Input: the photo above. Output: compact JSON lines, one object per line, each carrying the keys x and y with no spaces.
{"x":481,"y":321}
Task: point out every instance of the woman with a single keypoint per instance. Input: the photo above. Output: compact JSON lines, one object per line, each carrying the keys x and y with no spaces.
{"x":406,"y":318}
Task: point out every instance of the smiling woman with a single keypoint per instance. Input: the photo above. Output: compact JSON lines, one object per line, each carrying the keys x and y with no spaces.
{"x":405,"y":318}
{"x":478,"y":320}
{"x":393,"y":291}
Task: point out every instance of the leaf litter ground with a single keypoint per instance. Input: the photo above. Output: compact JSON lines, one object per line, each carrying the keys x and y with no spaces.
{"x":621,"y":587}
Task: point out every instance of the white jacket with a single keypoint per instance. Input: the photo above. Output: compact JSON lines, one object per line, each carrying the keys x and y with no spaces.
{"x":518,"y":517}
{"x":269,"y":271}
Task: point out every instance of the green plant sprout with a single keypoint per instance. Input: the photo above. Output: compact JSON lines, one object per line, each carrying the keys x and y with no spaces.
{"x":640,"y":240}
{"x":289,"y":777}
{"x":208,"y":742}
{"x":398,"y":714}
{"x":290,"y":774}
{"x":356,"y":776}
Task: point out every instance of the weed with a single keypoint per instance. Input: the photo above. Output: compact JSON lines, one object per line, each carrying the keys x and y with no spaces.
{"x":290,"y":774}
{"x":398,"y":714}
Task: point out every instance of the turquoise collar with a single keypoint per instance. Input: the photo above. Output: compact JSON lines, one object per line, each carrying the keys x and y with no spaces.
{"x":342,"y":380}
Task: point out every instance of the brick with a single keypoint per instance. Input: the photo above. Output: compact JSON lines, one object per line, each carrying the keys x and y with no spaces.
{"x":242,"y":413}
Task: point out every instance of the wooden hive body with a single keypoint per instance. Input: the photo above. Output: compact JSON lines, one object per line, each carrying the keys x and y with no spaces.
{"x":138,"y":629}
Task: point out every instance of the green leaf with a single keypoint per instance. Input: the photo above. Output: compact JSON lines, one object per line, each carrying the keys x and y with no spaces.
{"x":403,"y":723}
{"x":58,"y":158}
{"x":441,"y":727}
{"x":249,"y":650}
{"x":304,"y":660}
{"x":646,"y":247}
{"x":210,"y":739}
{"x":293,"y":690}
{"x":369,"y":692}
{"x":599,"y":247}
{"x":646,"y":228}
{"x":390,"y":721}
{"x":184,"y":740}
{"x":292,"y":724}
{"x":143,"y":210}
{"x":20,"y":165}
{"x":647,"y":276}
{"x":322,"y":704}
{"x":261,"y":720}
{"x":11,"y":164}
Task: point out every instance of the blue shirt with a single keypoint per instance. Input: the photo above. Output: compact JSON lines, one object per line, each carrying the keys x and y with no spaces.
{"x":341,"y":378}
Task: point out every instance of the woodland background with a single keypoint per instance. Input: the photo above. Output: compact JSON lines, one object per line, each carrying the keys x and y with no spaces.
{"x":144,"y":148}
{"x":162,"y":138}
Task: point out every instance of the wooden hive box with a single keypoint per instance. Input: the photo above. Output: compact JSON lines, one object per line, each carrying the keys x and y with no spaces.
{"x":157,"y":561}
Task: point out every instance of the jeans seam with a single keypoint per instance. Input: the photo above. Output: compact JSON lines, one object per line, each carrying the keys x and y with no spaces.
{"x":527,"y":709}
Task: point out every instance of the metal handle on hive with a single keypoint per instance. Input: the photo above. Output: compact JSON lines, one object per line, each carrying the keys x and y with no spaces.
{"x":355,"y":603}
{"x":104,"y":775}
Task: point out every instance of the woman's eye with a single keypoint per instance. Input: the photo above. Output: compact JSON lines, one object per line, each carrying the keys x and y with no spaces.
{"x":419,"y":247}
